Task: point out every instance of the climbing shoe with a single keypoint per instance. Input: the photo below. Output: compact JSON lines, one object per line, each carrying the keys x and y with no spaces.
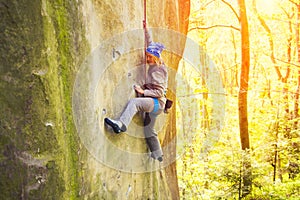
{"x":160,"y":159}
{"x":117,"y":126}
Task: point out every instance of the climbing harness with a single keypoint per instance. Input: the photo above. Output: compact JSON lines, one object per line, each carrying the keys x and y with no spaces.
{"x":156,"y":105}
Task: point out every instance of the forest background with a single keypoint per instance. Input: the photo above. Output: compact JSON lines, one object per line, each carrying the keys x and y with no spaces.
{"x":267,"y":165}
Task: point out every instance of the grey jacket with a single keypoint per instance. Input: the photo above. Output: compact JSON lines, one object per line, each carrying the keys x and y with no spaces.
{"x":156,"y":83}
{"x":157,"y":79}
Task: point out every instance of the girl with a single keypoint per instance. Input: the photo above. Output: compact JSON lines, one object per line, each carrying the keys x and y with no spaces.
{"x":152,"y":100}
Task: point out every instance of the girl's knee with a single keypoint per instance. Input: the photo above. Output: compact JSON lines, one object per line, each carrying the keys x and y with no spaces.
{"x":132,"y":101}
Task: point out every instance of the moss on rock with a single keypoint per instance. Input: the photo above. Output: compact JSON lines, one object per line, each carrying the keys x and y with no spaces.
{"x":41,"y":44}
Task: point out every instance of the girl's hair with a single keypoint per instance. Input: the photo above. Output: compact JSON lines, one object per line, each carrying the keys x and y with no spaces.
{"x":158,"y":61}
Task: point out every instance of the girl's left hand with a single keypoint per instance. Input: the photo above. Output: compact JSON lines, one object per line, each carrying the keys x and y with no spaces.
{"x":138,"y":89}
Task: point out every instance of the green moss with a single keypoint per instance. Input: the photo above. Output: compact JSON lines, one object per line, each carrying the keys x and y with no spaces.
{"x":63,"y":19}
{"x":19,"y":48}
{"x":12,"y":176}
{"x":39,"y":53}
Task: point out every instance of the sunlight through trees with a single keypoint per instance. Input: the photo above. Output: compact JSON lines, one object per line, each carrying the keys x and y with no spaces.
{"x":270,"y":159}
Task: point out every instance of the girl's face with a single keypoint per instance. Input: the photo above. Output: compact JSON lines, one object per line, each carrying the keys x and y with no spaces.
{"x":151,"y":60}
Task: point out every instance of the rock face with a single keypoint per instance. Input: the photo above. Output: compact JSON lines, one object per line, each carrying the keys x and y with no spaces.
{"x":66,"y":61}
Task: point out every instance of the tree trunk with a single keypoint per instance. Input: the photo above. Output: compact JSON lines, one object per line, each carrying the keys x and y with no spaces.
{"x":244,"y":78}
{"x":296,"y":104}
{"x":45,"y":46}
{"x":242,"y":99}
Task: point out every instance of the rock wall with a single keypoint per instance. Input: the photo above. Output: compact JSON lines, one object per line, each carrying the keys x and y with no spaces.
{"x":41,"y":43}
{"x":61,"y":59}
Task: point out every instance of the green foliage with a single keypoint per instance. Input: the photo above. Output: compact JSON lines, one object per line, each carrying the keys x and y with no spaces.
{"x":273,"y":126}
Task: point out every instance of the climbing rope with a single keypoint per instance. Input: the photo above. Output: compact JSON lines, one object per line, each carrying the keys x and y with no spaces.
{"x":145,"y":36}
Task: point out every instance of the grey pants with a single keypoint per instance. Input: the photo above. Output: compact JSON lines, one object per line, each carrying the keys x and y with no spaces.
{"x":151,"y":135}
{"x":146,"y":105}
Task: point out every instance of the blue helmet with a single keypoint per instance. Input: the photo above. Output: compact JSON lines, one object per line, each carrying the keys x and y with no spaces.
{"x":155,"y":49}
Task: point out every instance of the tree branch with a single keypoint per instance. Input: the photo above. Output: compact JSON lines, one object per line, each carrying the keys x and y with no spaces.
{"x":286,"y":62}
{"x":293,"y":2}
{"x":289,"y":63}
{"x":230,"y":6}
{"x":269,"y":33}
{"x":286,"y":12}
{"x":215,"y":26}
{"x":205,"y":5}
{"x":220,"y":26}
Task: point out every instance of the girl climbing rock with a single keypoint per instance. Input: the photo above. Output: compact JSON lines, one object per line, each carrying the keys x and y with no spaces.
{"x":152,"y":100}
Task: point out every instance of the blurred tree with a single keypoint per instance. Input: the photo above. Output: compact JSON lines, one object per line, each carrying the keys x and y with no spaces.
{"x":242,"y":99}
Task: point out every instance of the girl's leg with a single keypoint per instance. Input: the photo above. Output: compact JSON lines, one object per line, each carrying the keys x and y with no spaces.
{"x":133,"y":106}
{"x":151,"y":136}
